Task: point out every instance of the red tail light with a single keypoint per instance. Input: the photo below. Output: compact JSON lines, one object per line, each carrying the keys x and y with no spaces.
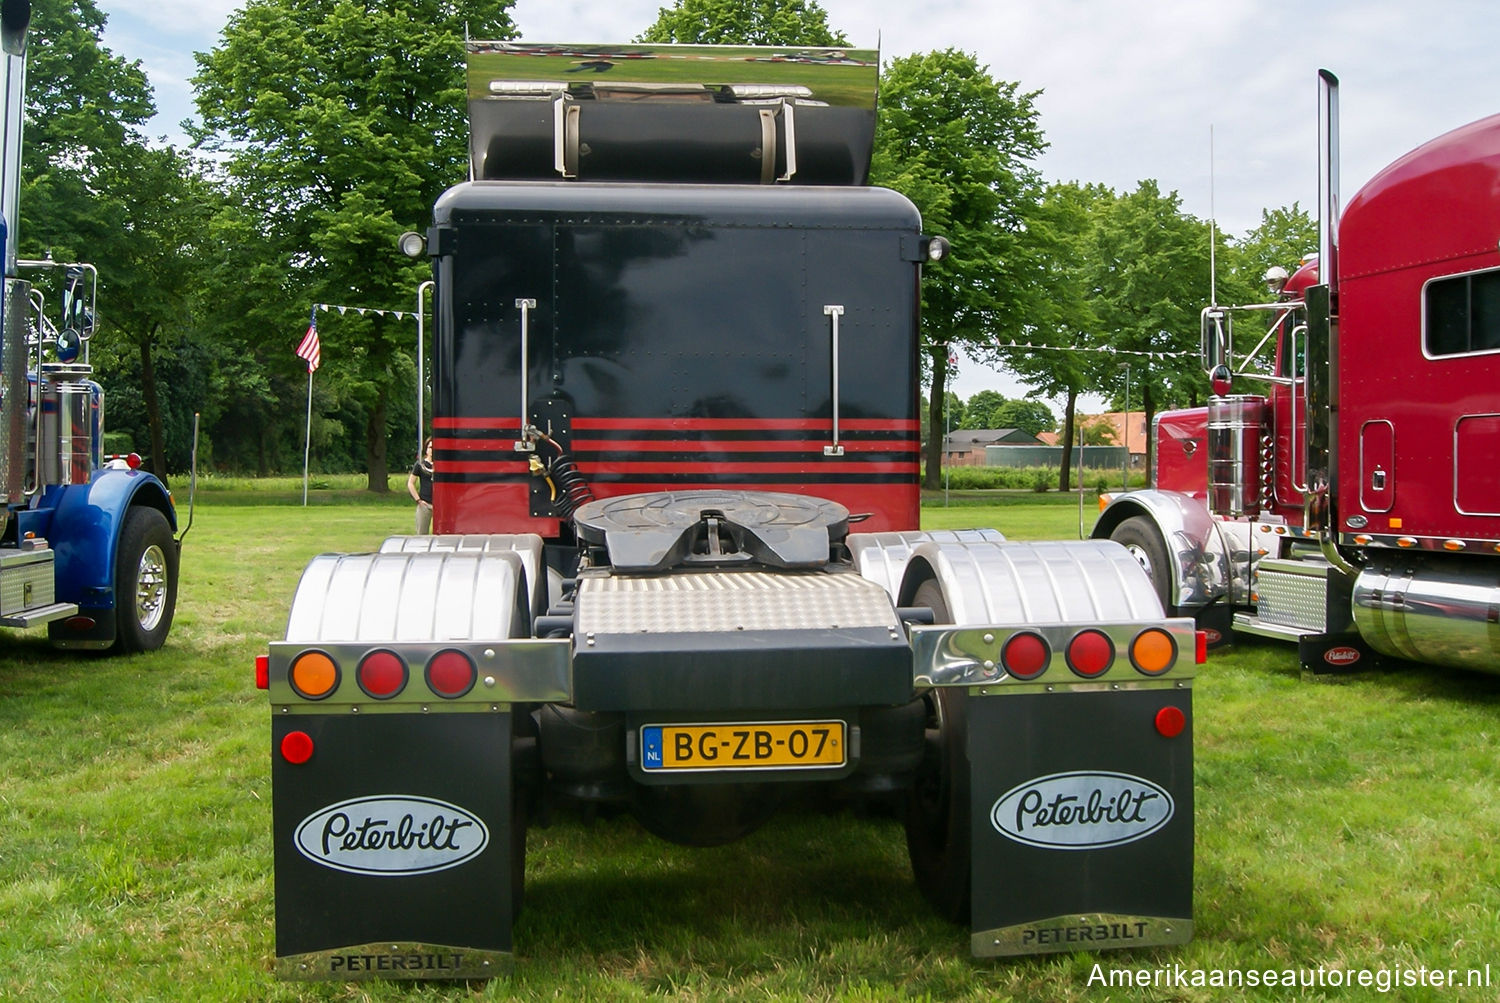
{"x":297,"y":747}
{"x":1170,"y":721}
{"x":381,"y":674}
{"x":451,"y":674}
{"x":262,"y":672}
{"x":1026,"y":655}
{"x":1090,"y":653}
{"x":1200,"y":647}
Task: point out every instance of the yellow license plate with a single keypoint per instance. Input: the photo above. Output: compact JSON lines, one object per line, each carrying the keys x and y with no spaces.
{"x":744,"y":746}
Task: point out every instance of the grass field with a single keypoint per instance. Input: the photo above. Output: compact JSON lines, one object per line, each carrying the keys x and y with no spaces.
{"x":1341,"y":825}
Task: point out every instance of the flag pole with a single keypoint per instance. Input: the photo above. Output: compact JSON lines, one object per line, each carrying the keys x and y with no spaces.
{"x":312,"y":353}
{"x":307,"y":439}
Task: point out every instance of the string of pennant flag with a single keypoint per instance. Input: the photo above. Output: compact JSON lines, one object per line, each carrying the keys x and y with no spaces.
{"x":310,"y":349}
{"x":1163,"y":355}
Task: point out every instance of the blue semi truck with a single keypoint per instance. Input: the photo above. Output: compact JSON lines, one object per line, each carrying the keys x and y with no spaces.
{"x":88,"y":546}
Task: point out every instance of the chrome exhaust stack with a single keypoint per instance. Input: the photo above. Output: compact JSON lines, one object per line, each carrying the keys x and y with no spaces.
{"x":15,"y":15}
{"x":1328,"y":181}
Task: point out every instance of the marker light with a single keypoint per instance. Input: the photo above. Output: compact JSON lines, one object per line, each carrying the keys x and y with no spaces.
{"x":1153,"y":651}
{"x":314,"y":675}
{"x":451,"y":674}
{"x":262,"y":672}
{"x":1200,"y":647}
{"x":297,"y":747}
{"x":381,"y":674}
{"x":1170,"y":721}
{"x":1025,"y":655}
{"x":1090,"y":653}
{"x":412,"y":244}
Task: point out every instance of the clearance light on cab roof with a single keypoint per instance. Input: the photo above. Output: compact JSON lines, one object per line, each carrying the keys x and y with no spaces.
{"x":314,"y":675}
{"x":1090,"y":653}
{"x":1026,"y":655}
{"x":381,"y":674}
{"x":1153,"y":651}
{"x":451,"y":674}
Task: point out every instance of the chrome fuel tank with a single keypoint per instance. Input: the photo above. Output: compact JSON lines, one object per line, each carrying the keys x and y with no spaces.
{"x":1445,"y":614}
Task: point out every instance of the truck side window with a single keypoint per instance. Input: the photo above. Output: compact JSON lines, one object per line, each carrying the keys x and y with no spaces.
{"x":1462,"y":314}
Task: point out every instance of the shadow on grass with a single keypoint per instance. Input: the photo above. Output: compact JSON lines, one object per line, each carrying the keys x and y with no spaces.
{"x":824,"y":876}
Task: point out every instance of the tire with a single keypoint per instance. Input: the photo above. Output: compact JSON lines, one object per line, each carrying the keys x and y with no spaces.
{"x":938,"y":840}
{"x":145,"y":581}
{"x":1139,"y":535}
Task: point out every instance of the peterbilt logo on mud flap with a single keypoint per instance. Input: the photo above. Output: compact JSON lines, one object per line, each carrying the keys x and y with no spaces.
{"x":1343,"y":655}
{"x":1082,"y":810}
{"x":391,"y":835}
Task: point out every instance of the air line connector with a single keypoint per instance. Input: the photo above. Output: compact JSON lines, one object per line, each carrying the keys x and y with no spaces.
{"x":539,"y":469}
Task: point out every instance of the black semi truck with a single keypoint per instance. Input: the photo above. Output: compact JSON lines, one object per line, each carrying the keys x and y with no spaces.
{"x":677,"y":565}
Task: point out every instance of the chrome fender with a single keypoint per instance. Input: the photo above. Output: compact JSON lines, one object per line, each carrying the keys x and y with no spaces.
{"x":882,"y":557}
{"x":1208,"y":556}
{"x":397,"y":597}
{"x":527,"y":545}
{"x":1034,"y":583}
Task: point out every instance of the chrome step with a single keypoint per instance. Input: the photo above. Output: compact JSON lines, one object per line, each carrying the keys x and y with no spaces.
{"x":41,"y":614}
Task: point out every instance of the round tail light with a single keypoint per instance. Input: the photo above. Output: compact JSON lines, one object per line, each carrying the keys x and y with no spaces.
{"x":451,"y":674}
{"x":1090,"y":653}
{"x":296,"y":747}
{"x":314,"y":675}
{"x":381,"y":674}
{"x":1026,"y":655}
{"x":1170,"y":722}
{"x":1153,"y":651}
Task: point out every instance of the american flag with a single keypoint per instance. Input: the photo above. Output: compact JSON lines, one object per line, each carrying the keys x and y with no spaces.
{"x":309,"y":349}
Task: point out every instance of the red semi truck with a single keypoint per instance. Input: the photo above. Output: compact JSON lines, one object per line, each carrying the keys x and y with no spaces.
{"x":1352,"y":502}
{"x":679,"y":569}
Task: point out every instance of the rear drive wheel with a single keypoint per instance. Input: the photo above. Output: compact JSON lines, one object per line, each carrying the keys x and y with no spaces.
{"x":145,"y":581}
{"x":937,"y":817}
{"x":1140,"y":536}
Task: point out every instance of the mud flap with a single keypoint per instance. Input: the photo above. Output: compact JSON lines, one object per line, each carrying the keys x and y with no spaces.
{"x":1081,"y":816}
{"x":393,"y":844}
{"x":1343,"y":652}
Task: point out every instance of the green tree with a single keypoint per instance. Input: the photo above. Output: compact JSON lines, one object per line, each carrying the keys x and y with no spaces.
{"x":950,"y":414}
{"x":341,"y":121}
{"x":1149,"y":273}
{"x":82,"y":103}
{"x":979,"y":410}
{"x":960,"y":145}
{"x":743,"y":22}
{"x":1030,"y":416}
{"x":94,"y":191}
{"x":1283,"y":238}
{"x":1096,"y":431}
{"x":1062,"y":338}
{"x":152,"y":235}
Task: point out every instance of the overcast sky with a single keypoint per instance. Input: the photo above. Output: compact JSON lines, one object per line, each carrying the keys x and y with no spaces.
{"x":1130,"y":89}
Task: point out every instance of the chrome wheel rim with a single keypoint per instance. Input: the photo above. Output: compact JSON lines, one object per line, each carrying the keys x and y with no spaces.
{"x":151,"y":588}
{"x":1141,"y":557}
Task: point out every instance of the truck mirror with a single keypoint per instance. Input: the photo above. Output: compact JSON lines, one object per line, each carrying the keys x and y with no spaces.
{"x":1216,"y":333}
{"x":15,"y":16}
{"x":75,"y":309}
